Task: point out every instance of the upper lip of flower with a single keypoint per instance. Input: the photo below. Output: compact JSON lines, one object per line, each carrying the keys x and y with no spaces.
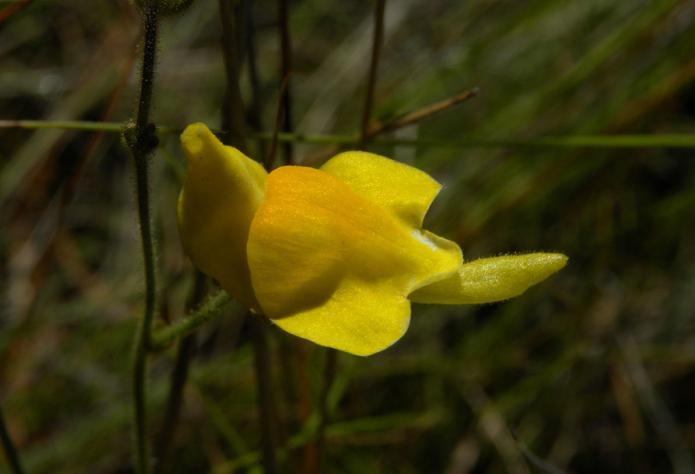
{"x":333,"y":255}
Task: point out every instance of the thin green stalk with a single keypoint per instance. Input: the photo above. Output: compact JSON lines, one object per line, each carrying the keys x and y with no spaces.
{"x":81,"y":125}
{"x":142,"y":142}
{"x":623,"y":141}
{"x":329,"y":371}
{"x":265,"y":393}
{"x":8,"y":446}
{"x":184,"y":354}
{"x":213,"y":308}
{"x":570,"y":141}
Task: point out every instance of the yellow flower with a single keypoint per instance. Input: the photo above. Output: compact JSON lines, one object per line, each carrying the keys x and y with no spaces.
{"x":334,"y":255}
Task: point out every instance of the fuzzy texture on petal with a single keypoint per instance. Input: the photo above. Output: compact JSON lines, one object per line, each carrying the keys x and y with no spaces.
{"x":333,"y":267}
{"x":487,"y":280}
{"x":220,"y":195}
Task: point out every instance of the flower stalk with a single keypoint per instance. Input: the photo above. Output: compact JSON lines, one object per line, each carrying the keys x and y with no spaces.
{"x":142,"y":142}
{"x":211,"y":309}
{"x":184,"y":354}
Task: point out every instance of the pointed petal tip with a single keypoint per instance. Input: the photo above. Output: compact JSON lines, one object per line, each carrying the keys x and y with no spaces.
{"x":538,"y":266}
{"x":553,"y":262}
{"x":194,"y":137}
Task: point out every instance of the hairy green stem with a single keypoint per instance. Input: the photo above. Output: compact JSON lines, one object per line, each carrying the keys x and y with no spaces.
{"x":213,"y":308}
{"x":142,"y":142}
{"x":10,"y":449}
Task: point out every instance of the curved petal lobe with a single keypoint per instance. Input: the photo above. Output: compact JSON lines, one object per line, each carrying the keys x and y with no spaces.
{"x":403,"y":190}
{"x":221,"y":192}
{"x":360,"y":318}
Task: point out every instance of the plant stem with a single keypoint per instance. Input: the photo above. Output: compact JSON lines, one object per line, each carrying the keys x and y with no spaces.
{"x":82,"y":125}
{"x":286,"y":69}
{"x":269,"y":161}
{"x":373,"y":67}
{"x":233,"y":108}
{"x":10,"y":449}
{"x":213,"y":307}
{"x":256,"y":104}
{"x":142,"y":144}
{"x":184,"y":354}
{"x":329,"y":371}
{"x":265,"y":392}
{"x":623,"y":141}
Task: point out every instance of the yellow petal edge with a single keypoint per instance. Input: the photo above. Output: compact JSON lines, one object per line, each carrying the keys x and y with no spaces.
{"x":402,"y":190}
{"x":220,"y":195}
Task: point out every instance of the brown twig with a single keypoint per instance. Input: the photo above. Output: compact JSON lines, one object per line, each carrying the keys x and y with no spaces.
{"x":255,"y":107}
{"x":373,"y":67}
{"x":279,"y":118}
{"x":233,"y":109}
{"x":422,"y":114}
{"x":409,"y":118}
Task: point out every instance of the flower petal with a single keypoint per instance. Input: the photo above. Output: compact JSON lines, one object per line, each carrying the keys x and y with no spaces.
{"x":405,"y":191}
{"x":487,"y":280}
{"x":330,"y":266}
{"x":221,"y":192}
{"x":360,"y":318}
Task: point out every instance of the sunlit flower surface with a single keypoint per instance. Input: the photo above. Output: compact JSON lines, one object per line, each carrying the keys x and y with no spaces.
{"x":334,"y":255}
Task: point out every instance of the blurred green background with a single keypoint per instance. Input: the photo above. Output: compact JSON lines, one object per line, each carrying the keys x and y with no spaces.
{"x":591,"y":371}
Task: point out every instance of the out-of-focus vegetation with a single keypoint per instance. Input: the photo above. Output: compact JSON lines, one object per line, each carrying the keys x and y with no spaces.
{"x":592,"y":371}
